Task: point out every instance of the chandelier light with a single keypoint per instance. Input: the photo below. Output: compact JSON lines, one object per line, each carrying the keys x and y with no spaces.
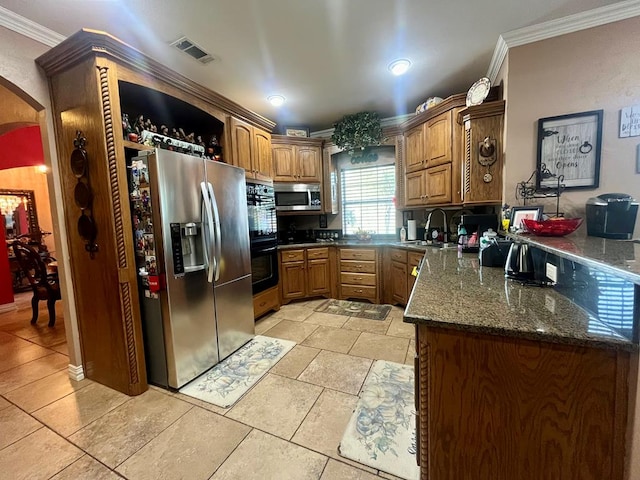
{"x":8,"y":204}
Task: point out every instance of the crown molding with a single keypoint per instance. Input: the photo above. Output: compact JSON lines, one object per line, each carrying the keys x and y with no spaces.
{"x":561,"y":26}
{"x":28,"y":28}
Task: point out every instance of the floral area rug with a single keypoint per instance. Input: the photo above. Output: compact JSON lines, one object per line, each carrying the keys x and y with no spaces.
{"x":382,"y":430}
{"x":355,"y":309}
{"x":224,"y":384}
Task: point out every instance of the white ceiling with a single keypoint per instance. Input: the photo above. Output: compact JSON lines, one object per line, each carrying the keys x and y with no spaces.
{"x":327,"y":57}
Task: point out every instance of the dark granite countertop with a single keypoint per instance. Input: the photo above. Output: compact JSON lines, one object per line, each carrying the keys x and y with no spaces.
{"x":453,"y":291}
{"x":618,"y":257}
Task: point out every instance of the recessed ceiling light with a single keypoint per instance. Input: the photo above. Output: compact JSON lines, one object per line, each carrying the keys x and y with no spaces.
{"x":399,"y":67}
{"x":276,"y":100}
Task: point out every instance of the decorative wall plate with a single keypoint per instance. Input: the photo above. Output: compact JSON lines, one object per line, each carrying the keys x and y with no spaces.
{"x":478,"y":92}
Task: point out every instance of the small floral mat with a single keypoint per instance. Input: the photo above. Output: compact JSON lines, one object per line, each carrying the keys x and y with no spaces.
{"x":355,"y":309}
{"x":224,"y":384}
{"x":382,"y":430}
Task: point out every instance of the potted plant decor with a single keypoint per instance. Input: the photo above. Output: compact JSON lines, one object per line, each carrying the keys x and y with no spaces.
{"x":357,"y":131}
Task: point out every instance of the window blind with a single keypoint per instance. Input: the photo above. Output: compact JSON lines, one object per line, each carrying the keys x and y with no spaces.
{"x":367,"y":200}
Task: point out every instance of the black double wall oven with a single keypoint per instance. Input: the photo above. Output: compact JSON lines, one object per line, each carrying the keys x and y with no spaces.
{"x":263,"y":234}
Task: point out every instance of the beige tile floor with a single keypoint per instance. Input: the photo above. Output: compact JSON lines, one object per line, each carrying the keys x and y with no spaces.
{"x":287,"y":427}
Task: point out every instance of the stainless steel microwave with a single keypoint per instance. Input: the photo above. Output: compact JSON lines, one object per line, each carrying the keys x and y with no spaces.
{"x":294,"y":197}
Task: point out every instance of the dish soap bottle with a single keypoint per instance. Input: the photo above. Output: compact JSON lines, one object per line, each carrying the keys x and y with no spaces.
{"x":403,"y":234}
{"x":488,"y":237}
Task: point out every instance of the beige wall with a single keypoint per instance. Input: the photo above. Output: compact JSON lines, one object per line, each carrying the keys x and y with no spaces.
{"x":20,"y":74}
{"x":594,"y":69}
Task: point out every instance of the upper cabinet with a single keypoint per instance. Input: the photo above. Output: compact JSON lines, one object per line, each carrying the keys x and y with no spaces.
{"x":296,"y":159}
{"x":483,"y":153}
{"x":453,"y":154}
{"x":432,"y":146}
{"x":251,"y":149}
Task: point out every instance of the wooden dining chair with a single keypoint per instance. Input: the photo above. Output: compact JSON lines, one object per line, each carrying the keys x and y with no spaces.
{"x":45,"y":286}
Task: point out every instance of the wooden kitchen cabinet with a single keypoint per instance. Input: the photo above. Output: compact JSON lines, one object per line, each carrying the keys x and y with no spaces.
{"x":431,"y":186}
{"x":504,"y":408}
{"x":432,"y":155}
{"x":398,"y":282}
{"x":398,"y":274}
{"x":438,"y":185}
{"x":483,"y":164}
{"x":359,"y":274}
{"x":414,"y":145}
{"x":266,"y":301}
{"x":251,"y":149}
{"x":305,"y":272}
{"x":296,"y":159}
{"x":438,"y":141}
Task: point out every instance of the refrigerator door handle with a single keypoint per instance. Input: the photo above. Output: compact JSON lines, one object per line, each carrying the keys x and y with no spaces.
{"x":216,"y":222}
{"x":210,"y":257}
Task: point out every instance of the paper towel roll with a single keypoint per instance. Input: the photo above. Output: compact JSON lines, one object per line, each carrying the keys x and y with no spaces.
{"x":411,"y":229}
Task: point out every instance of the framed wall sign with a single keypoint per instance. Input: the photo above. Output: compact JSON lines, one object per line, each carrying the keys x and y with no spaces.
{"x":296,"y":132}
{"x":570,"y":145}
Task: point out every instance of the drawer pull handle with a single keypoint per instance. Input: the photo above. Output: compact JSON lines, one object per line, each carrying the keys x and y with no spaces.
{"x":358,"y":278}
{"x":291,"y":256}
{"x":263,"y":304}
{"x":358,"y":266}
{"x":357,"y":254}
{"x":359,"y":290}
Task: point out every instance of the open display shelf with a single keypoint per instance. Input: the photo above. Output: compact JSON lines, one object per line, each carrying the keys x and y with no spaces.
{"x":175,"y":114}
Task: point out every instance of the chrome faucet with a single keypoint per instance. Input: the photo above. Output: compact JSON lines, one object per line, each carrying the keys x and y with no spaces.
{"x":445,"y":237}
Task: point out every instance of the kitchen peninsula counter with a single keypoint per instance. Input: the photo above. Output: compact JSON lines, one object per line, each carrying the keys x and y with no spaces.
{"x":455,"y":292}
{"x":514,"y":381}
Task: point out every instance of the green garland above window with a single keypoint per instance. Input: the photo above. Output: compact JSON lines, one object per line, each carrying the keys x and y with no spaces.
{"x":357,"y":131}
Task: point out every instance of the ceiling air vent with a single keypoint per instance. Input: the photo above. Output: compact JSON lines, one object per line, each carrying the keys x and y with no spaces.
{"x":187,"y":46}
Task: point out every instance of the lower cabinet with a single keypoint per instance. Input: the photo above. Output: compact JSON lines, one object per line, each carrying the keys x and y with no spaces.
{"x":266,"y":301}
{"x":305,"y":272}
{"x":398,"y":278}
{"x":359,"y":274}
{"x":501,"y":408}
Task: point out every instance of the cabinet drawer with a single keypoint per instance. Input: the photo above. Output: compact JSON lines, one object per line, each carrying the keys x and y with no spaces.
{"x":358,"y":278}
{"x":358,"y":291}
{"x":313,"y":253}
{"x":357,"y":254}
{"x":357,"y":266}
{"x":292,"y":256}
{"x":398,"y":255}
{"x":415,"y":258}
{"x":265,"y":301}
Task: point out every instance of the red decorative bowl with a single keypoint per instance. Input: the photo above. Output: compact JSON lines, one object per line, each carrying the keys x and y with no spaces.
{"x":552,"y":228}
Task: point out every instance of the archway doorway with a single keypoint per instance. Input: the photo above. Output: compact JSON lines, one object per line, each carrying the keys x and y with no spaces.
{"x":26,"y":216}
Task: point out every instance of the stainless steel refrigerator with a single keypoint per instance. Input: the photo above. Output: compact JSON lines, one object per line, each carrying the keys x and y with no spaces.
{"x":192,"y":246}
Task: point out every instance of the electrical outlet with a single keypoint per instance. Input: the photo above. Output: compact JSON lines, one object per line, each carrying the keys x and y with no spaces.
{"x":550,"y":303}
{"x":552,"y":272}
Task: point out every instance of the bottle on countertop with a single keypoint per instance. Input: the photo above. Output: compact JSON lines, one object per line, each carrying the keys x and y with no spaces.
{"x":403,"y":234}
{"x":487,"y":238}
